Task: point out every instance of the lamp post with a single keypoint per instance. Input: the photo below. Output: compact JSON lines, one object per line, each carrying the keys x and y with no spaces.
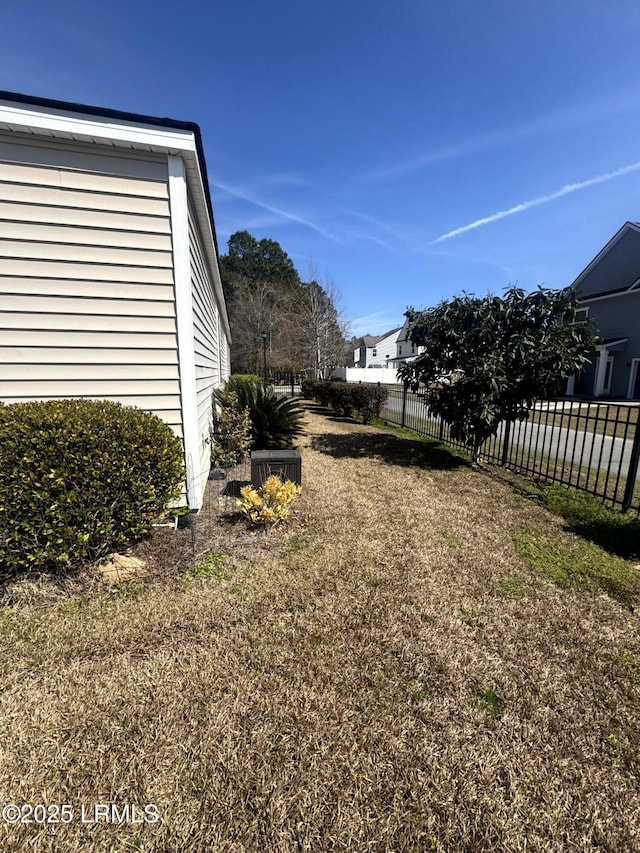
{"x":264,"y":357}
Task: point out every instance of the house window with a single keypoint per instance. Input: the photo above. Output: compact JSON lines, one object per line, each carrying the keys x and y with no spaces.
{"x":413,"y":348}
{"x":400,"y":350}
{"x":581,"y":315}
{"x":374,"y":353}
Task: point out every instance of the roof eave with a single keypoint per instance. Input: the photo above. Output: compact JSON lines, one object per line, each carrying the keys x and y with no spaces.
{"x":612,"y":242}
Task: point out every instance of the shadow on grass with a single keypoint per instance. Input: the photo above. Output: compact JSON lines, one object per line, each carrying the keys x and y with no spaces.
{"x":329,"y":414}
{"x":589,"y":518}
{"x":620,"y":539}
{"x":579,"y":563}
{"x":419,"y":452}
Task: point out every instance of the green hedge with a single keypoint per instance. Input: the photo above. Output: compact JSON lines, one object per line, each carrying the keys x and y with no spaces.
{"x":80,"y":478}
{"x":307,"y":387}
{"x":345,"y":398}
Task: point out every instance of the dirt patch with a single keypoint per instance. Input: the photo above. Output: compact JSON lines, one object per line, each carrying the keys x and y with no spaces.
{"x":122,"y":567}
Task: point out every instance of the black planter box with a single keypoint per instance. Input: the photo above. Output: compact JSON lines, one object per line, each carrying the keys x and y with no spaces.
{"x":286,"y":464}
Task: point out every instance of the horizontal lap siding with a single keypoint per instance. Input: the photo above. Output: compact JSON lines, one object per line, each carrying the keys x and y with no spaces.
{"x":615,"y":318}
{"x":225,"y":351}
{"x":205,"y":336}
{"x":616,"y":269}
{"x":87,"y":306}
{"x":115,"y":221}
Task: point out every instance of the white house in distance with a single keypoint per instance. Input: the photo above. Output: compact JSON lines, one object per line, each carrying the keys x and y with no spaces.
{"x":384,"y":353}
{"x":376,"y":350}
{"x":405,"y":349}
{"x":109,"y":279}
{"x":362,"y":354}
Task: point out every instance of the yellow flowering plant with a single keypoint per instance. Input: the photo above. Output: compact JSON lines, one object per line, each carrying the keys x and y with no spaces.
{"x":268,"y":505}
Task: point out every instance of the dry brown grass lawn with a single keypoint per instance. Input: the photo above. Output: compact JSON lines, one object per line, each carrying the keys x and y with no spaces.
{"x":385,"y":675}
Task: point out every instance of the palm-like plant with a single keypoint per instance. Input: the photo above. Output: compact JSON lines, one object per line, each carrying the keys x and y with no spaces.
{"x":275,"y":420}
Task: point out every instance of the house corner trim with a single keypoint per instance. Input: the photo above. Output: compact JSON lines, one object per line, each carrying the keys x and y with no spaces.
{"x":184,"y":322}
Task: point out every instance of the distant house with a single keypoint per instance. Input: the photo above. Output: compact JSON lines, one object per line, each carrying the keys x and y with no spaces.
{"x":376,"y":350}
{"x":608,"y":290}
{"x":386,"y":348}
{"x":363,"y":353}
{"x":109,"y":280}
{"x":405,"y":349}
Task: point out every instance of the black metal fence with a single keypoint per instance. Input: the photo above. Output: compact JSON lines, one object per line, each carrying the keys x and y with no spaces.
{"x":287,"y":384}
{"x":593,"y":447}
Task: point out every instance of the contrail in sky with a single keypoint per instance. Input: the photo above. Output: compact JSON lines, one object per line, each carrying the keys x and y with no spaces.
{"x":534,"y":202}
{"x":243,"y":194}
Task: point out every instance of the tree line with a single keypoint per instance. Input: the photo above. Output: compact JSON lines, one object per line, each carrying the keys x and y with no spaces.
{"x":304,"y":325}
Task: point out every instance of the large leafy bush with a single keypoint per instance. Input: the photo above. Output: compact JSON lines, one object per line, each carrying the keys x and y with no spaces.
{"x":341,"y":398}
{"x":80,"y":478}
{"x":505,"y":352}
{"x":322,"y":392}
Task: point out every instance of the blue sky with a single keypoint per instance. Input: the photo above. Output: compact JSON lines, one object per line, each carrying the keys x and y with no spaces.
{"x":409,"y":150}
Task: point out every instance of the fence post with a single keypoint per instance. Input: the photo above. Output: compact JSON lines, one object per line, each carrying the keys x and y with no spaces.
{"x":405,"y":385}
{"x":632,"y":473}
{"x":505,"y":442}
{"x":441,"y":430}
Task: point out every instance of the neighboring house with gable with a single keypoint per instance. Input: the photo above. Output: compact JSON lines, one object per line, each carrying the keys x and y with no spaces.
{"x":385,"y":349}
{"x":608,"y":290}
{"x":365,"y":345}
{"x":363,"y":353}
{"x":376,"y":350}
{"x":405,"y":349}
{"x":109,"y":279}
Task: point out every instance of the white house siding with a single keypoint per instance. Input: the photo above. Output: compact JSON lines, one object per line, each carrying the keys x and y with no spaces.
{"x":87,"y":304}
{"x":385,"y":349}
{"x":225,"y":352}
{"x":210,"y":343}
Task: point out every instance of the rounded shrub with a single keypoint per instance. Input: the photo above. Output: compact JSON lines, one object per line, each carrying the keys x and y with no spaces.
{"x":321,"y":392}
{"x":80,"y":478}
{"x":269,"y":504}
{"x":341,"y":398}
{"x":368,"y":400}
{"x":307,"y":387}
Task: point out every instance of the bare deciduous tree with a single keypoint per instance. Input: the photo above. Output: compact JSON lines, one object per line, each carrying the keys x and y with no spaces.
{"x":323,"y":325}
{"x":304,"y":324}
